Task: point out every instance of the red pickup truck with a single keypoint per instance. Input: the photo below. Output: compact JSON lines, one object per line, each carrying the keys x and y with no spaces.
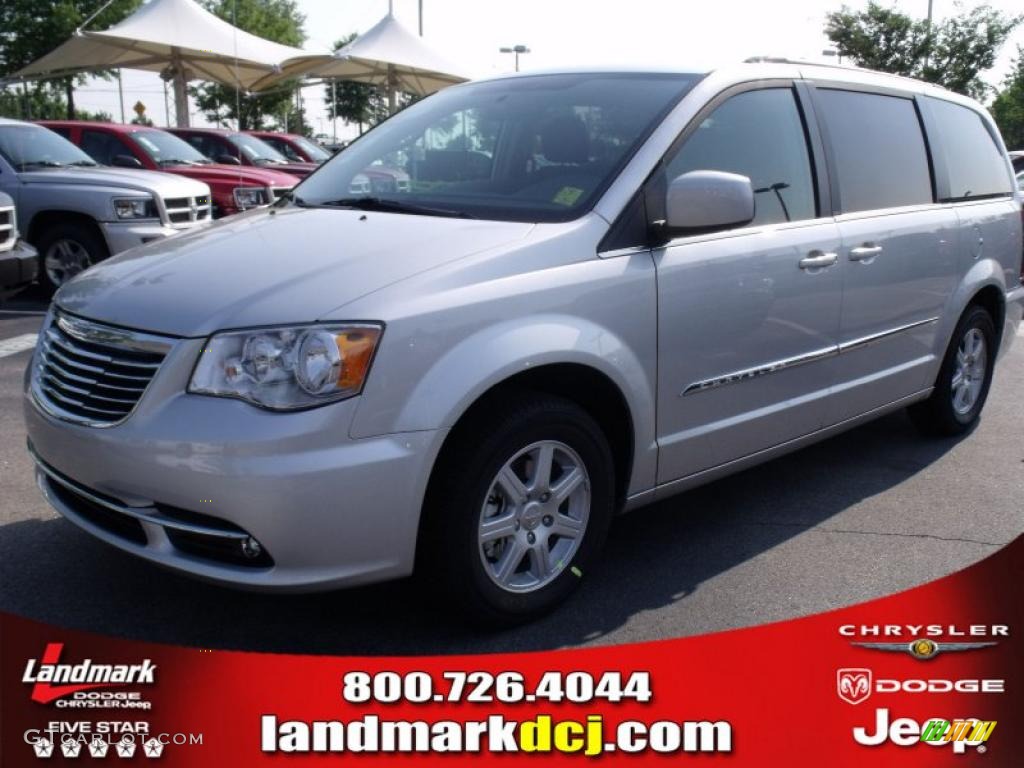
{"x":234,"y":188}
{"x":298,"y":149}
{"x":236,"y":148}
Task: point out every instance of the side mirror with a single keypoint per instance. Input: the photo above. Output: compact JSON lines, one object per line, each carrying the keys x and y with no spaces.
{"x":125,"y":161}
{"x":228,"y":160}
{"x":707,"y":200}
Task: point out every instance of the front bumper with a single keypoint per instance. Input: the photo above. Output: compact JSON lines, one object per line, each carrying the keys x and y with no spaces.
{"x":122,"y":235}
{"x":18,"y":267}
{"x":328,"y":511}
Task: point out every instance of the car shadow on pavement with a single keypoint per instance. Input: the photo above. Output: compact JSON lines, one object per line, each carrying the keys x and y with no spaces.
{"x":661,"y":555}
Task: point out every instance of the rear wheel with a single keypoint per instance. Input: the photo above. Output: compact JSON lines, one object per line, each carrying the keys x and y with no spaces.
{"x":520,"y":509}
{"x":964,"y":378}
{"x":67,"y":249}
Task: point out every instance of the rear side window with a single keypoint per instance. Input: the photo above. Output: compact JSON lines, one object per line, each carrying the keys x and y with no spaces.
{"x":878,"y":148}
{"x":973,"y":159}
{"x":758,"y":134}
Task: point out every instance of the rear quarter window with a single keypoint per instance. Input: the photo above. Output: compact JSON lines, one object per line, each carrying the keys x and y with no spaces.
{"x":974,"y":162}
{"x":878,"y":147}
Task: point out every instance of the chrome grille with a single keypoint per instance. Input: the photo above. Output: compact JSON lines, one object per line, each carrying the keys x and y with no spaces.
{"x":6,"y":229}
{"x":93,"y":374}
{"x":187,"y":210}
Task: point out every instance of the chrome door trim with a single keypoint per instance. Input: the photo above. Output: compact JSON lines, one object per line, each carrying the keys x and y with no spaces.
{"x":759,"y":371}
{"x":864,"y":341}
{"x":792,"y":362}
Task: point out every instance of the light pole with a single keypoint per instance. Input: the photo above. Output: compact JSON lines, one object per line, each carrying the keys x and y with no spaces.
{"x":516,"y":49}
{"x":928,"y":39}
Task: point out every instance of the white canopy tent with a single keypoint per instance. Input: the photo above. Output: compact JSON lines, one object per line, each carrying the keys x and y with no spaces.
{"x":179,"y":39}
{"x":387,"y":55}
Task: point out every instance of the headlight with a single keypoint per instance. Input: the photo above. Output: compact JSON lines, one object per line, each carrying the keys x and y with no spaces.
{"x":135,"y":208}
{"x":251,"y":197}
{"x":287,"y":368}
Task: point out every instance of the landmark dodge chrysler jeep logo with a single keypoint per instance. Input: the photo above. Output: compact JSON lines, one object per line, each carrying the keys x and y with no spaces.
{"x":84,"y":676}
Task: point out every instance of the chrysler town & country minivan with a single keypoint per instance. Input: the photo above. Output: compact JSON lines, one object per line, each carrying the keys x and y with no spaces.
{"x":597,"y":290}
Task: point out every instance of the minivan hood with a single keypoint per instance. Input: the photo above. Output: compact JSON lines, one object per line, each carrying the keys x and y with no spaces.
{"x":269,"y":267}
{"x":128,"y":178}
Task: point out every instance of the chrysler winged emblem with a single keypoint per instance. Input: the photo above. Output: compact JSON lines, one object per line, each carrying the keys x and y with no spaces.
{"x":853,"y":685}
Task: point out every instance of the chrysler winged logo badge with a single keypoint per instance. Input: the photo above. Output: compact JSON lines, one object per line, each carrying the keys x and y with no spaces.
{"x":853,"y":685}
{"x":923,"y":648}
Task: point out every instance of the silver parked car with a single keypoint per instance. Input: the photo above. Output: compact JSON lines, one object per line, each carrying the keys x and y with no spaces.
{"x":77,"y":212}
{"x":19,"y":262}
{"x":598,"y":289}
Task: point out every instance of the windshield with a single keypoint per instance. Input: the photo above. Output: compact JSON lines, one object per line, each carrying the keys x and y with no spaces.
{"x":313,"y":150}
{"x":257,"y":150}
{"x":538,"y":148}
{"x":29,"y":147}
{"x":168,"y":149}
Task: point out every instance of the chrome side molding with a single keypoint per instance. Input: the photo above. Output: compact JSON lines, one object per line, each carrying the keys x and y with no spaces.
{"x":792,"y":362}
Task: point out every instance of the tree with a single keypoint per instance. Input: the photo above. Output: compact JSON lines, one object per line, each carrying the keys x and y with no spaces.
{"x":30,"y":29}
{"x":952,"y":53}
{"x":277,"y":20}
{"x":359,"y":103}
{"x":1008,"y":108}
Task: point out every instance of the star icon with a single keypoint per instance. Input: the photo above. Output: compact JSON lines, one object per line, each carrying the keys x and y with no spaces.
{"x":43,"y":748}
{"x":154,"y":748}
{"x":98,"y":747}
{"x":71,"y":748}
{"x":125,"y":748}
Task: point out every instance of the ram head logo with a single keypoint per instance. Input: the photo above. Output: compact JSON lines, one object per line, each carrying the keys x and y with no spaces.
{"x":853,"y":685}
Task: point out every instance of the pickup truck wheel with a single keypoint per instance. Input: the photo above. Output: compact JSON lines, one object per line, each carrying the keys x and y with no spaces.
{"x":67,"y":249}
{"x":964,"y":378}
{"x":522,"y":509}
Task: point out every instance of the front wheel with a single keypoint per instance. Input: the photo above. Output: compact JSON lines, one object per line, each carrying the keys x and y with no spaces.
{"x":964,"y":378}
{"x":520,"y":510}
{"x":67,"y":249}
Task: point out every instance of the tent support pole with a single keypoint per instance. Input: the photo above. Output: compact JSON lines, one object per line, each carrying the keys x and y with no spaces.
{"x":120,"y":93}
{"x":180,"y":91}
{"x":392,"y":85}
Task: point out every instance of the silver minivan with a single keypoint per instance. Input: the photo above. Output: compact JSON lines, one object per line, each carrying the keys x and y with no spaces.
{"x":597,"y":290}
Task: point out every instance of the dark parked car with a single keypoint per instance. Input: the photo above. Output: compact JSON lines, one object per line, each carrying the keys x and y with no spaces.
{"x":234,"y":148}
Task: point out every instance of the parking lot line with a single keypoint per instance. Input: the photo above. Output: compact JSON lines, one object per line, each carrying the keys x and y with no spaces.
{"x":16,"y":344}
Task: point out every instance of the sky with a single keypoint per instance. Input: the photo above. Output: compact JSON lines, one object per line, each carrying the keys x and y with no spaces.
{"x":567,"y":33}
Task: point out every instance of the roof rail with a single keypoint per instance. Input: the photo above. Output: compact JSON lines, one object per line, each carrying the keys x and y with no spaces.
{"x":786,"y":60}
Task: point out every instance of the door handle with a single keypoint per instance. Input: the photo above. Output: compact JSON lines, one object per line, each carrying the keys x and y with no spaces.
{"x":865,"y":252}
{"x":817,"y":260}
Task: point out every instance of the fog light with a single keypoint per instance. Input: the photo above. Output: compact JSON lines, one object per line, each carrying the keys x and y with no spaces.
{"x":251,"y":548}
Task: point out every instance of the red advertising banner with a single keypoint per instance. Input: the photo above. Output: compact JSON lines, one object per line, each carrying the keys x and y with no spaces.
{"x":927,"y":677}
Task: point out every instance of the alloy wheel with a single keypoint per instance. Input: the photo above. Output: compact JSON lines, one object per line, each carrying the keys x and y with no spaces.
{"x":64,"y":259}
{"x":970,"y":371}
{"x":534,"y":516}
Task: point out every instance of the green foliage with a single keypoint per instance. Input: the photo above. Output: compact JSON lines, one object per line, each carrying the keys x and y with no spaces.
{"x":952,"y":53}
{"x":277,"y":20}
{"x":30,"y":29}
{"x":360,"y":103}
{"x":1008,"y":108}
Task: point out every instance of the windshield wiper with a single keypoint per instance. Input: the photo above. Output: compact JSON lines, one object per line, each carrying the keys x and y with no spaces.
{"x":84,"y":164}
{"x":40,"y":164}
{"x":394,"y":206}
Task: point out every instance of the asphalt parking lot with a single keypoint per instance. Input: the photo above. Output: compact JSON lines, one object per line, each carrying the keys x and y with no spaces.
{"x":865,"y":514}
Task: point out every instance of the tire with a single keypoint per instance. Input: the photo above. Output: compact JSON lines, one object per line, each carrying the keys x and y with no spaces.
{"x":484,"y":581}
{"x":962,"y":385}
{"x":66,"y":249}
